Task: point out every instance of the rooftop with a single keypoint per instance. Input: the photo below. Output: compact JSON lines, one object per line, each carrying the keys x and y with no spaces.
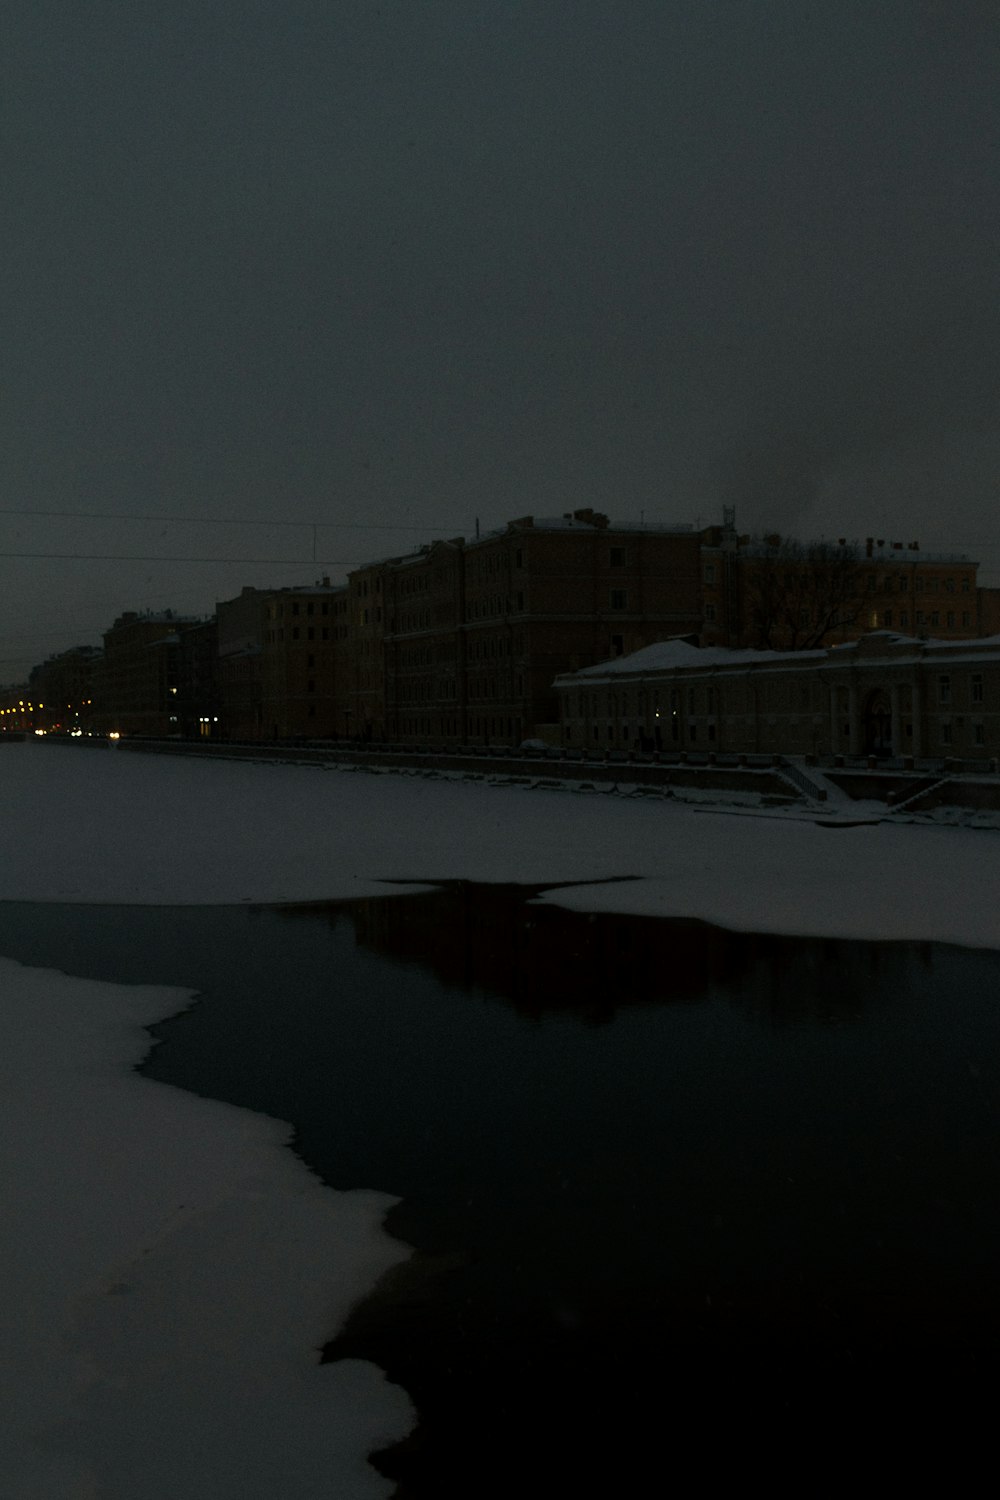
{"x":678,"y":652}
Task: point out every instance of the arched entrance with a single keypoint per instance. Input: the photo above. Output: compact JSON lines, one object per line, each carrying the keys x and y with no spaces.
{"x":878,"y":724}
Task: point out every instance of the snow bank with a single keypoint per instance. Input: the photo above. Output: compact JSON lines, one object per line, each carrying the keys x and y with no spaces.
{"x":87,"y":825}
{"x":174,"y":1268}
{"x":169,"y":1270}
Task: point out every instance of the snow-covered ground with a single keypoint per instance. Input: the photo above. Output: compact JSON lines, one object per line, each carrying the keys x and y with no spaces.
{"x":94,"y":825}
{"x":169,"y":1269}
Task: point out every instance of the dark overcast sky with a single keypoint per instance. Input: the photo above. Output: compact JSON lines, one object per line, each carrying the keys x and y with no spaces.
{"x":404,"y":265}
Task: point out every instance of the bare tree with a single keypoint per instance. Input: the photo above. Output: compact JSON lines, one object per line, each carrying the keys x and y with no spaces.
{"x":798,"y":595}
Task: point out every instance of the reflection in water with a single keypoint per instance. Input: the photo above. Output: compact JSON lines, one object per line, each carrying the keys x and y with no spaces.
{"x":681,"y":1198}
{"x":541,"y":959}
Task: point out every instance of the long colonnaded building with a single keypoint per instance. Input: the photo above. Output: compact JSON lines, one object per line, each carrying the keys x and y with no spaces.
{"x":887,"y":695}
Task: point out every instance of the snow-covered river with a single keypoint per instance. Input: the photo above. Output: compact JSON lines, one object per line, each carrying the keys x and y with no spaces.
{"x":638,"y":1159}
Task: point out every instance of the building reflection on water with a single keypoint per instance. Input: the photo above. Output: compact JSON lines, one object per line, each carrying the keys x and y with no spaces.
{"x":540,"y":958}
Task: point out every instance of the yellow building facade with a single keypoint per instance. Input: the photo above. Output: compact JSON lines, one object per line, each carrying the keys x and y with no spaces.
{"x":885,"y":695}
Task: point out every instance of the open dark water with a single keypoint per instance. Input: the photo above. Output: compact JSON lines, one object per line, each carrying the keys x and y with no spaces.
{"x":690,"y":1206}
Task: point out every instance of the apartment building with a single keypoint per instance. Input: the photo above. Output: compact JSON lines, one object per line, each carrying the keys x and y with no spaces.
{"x":423,"y":646}
{"x":298,"y":651}
{"x":461,"y":641}
{"x":779,"y":594}
{"x":136,"y":686}
{"x":63,"y":688}
{"x":197,"y":680}
{"x":238,"y":669}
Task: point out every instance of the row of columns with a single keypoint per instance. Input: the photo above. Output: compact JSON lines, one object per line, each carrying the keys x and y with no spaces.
{"x":856,"y":725}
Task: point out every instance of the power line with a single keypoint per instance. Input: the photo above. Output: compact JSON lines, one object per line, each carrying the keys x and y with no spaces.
{"x":78,"y":515}
{"x":269,"y":562}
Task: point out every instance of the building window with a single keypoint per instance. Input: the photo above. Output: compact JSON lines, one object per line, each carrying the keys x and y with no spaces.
{"x":977,"y":687}
{"x":944,"y":689}
{"x":946,"y":734}
{"x":978,"y":734}
{"x":618,"y":557}
{"x":935,"y":617}
{"x":965,"y":584}
{"x":710,"y":613}
{"x":887,"y":618}
{"x":295,"y":632}
{"x":617,"y":645}
{"x":295,"y":609}
{"x":619,"y":598}
{"x":710,"y":573}
{"x":904,"y":617}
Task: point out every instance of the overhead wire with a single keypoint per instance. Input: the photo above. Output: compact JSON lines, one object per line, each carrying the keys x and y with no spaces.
{"x":283,"y":562}
{"x":76,"y":515}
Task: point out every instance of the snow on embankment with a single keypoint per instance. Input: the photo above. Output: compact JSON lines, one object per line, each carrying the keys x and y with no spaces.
{"x":169,"y":1270}
{"x":88,"y":825}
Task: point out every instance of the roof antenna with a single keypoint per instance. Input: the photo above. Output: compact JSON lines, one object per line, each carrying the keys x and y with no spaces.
{"x":477,"y":528}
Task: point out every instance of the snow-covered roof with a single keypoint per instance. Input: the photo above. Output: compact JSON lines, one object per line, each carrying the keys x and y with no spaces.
{"x":678,"y":652}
